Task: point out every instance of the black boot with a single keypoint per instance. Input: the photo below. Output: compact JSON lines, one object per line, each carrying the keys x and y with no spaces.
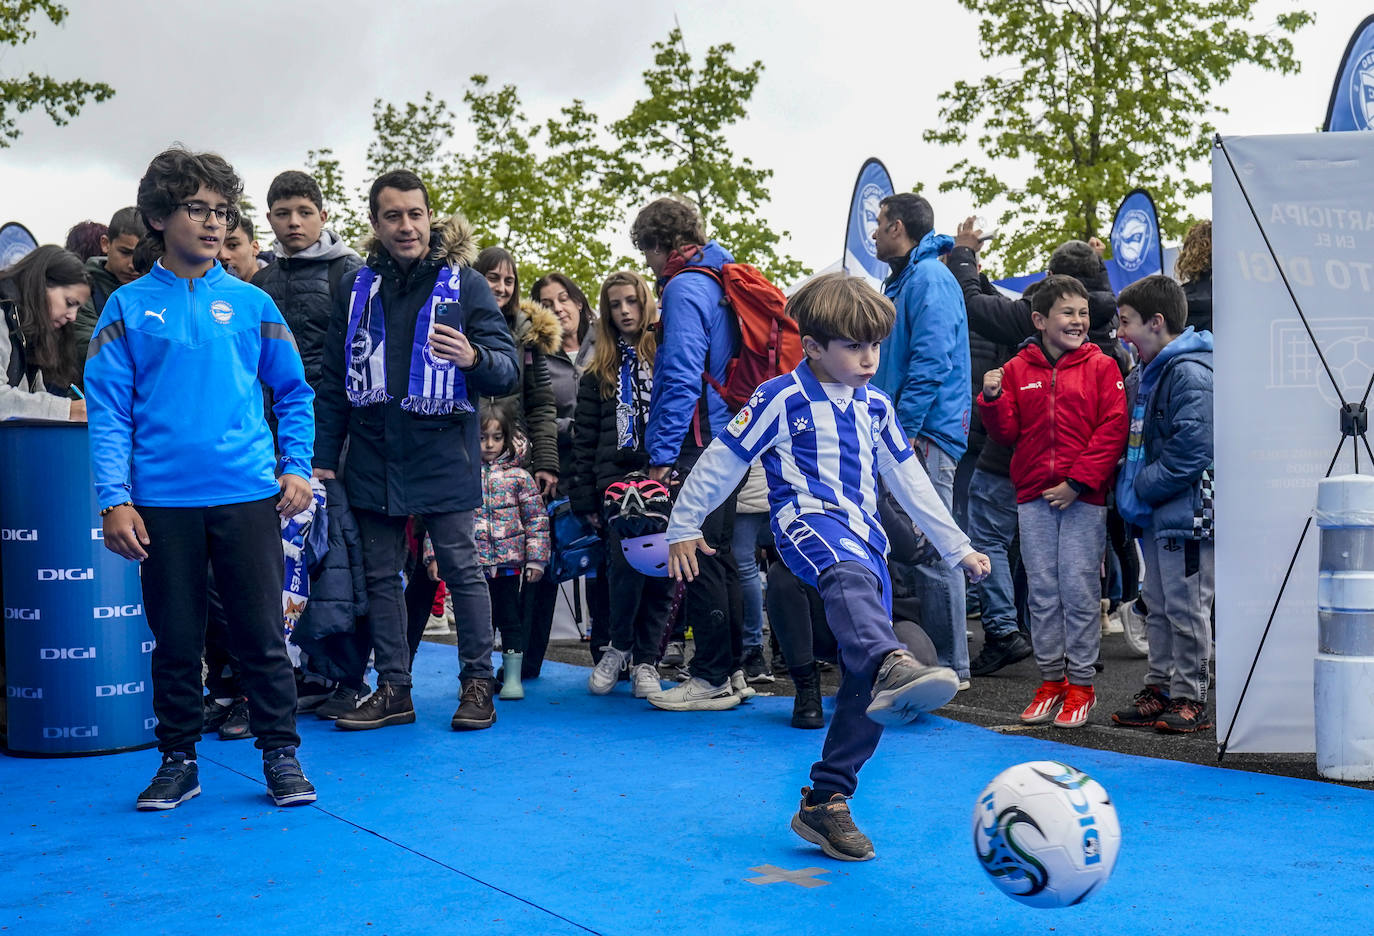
{"x":389,"y":705}
{"x":806,"y":707}
{"x":475,"y":709}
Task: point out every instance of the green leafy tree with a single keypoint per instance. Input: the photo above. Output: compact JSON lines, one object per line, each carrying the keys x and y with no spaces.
{"x":678,"y":134}
{"x":60,"y":100}
{"x":546,"y":192}
{"x":347,"y":212}
{"x":1104,"y":96}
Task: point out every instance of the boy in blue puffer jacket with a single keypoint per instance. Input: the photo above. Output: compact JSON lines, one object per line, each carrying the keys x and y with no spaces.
{"x":1166,"y":490}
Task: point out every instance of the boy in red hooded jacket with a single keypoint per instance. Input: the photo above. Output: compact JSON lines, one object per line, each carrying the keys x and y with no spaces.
{"x":1060,"y":402}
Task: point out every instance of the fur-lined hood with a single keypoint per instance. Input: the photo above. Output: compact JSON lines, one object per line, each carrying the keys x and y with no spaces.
{"x":537,"y":328}
{"x":450,"y":240}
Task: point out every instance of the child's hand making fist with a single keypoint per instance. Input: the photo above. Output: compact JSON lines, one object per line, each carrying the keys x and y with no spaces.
{"x":992,"y":384}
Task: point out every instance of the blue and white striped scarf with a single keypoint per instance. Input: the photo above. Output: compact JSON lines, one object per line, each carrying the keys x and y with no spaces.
{"x":631,"y":397}
{"x":435,"y":386}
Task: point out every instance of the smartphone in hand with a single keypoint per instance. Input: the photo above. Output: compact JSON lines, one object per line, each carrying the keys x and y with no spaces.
{"x":448,"y":313}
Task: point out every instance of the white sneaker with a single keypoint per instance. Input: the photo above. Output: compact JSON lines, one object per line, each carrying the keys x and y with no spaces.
{"x":1133,"y":629}
{"x":607,"y":671}
{"x":740,"y":686}
{"x":646,"y":681}
{"x":436,"y":626}
{"x":696,"y":695}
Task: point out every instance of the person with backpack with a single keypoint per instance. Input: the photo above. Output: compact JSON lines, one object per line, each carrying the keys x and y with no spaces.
{"x":608,"y":444}
{"x":695,"y":369}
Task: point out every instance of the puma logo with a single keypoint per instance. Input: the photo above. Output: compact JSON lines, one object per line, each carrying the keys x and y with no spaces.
{"x":157,"y":315}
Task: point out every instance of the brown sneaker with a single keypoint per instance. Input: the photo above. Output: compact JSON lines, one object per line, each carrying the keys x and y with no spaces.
{"x":475,"y":708}
{"x":1149,"y":703}
{"x":830,"y":826}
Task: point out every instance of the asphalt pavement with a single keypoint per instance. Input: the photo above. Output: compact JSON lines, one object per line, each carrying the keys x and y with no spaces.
{"x":996,"y":701}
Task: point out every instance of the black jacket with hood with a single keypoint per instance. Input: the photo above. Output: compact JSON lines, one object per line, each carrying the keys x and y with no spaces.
{"x":304,"y":287}
{"x":399,"y":462}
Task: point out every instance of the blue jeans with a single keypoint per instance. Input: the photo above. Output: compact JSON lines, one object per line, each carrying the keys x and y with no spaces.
{"x":943,"y":609}
{"x":747,"y":527}
{"x":991,"y":529}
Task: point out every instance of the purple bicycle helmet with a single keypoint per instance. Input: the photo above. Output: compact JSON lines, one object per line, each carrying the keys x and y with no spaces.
{"x":647,"y":555}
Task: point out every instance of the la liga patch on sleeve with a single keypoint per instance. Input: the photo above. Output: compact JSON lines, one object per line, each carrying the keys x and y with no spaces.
{"x":741,"y":422}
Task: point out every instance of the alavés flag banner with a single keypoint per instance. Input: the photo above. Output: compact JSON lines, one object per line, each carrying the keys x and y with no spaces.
{"x":1352,"y":97}
{"x":860,"y":253}
{"x":1137,"y":251}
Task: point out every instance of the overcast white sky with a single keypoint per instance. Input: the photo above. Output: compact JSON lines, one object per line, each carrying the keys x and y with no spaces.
{"x":262,"y":82}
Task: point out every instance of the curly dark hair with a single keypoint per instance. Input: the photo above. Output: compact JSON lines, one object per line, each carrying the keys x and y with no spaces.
{"x":25,"y":284}
{"x":667,"y":224}
{"x":175,"y":175}
{"x":84,"y":239}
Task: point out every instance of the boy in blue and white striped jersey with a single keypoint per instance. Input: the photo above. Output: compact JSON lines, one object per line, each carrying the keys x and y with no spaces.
{"x":825,"y":438}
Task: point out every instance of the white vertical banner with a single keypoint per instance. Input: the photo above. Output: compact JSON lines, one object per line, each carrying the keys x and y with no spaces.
{"x":1277,"y":412}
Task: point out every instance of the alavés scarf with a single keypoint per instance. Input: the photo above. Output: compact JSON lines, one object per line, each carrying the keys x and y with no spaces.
{"x":435,"y":386}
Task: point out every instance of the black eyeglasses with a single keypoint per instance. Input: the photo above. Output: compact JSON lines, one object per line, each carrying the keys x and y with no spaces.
{"x":198,"y":212}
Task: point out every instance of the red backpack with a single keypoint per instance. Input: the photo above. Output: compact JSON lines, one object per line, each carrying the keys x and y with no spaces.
{"x":769,"y":341}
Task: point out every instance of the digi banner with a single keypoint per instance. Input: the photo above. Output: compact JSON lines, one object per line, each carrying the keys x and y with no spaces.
{"x":860,"y":253}
{"x":77,"y":645}
{"x":1276,"y":411}
{"x":1352,"y":96}
{"x":1137,"y":251}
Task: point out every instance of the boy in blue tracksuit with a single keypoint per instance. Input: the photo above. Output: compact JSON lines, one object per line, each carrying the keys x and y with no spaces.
{"x":185,"y":469}
{"x":925,"y":370}
{"x":825,"y":438}
{"x":1165,"y":489}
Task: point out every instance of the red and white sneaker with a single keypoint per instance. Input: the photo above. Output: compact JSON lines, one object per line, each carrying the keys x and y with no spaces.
{"x":1077,"y":704}
{"x":1047,"y":698}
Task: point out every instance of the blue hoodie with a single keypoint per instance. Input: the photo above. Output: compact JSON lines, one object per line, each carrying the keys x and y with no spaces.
{"x":696,"y":328}
{"x":1170,"y":445}
{"x":924,"y":365}
{"x":174,"y":379}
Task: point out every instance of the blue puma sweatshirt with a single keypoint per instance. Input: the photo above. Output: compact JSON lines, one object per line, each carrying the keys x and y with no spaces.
{"x":174,"y":378}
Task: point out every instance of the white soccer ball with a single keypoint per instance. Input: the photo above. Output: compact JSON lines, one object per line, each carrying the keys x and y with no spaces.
{"x":1046,"y":834}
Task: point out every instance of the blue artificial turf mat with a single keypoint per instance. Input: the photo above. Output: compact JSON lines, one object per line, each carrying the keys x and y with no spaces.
{"x":579,"y":813}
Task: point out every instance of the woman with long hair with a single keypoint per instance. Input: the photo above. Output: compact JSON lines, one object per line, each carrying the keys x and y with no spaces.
{"x":612,"y":412}
{"x":39,"y":297}
{"x":558,"y":294}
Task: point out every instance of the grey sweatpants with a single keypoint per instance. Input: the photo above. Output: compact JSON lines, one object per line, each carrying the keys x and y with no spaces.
{"x":1062,"y":553}
{"x":1180,"y":580}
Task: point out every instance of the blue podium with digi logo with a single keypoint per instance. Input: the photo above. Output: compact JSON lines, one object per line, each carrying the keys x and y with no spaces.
{"x":77,"y":645}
